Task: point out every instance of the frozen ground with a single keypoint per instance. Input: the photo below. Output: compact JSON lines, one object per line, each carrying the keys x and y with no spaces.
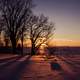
{"x":39,"y":67}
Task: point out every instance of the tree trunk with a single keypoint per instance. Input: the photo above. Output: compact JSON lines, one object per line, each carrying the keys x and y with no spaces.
{"x":22,"y":41}
{"x":14,"y":44}
{"x":33,"y":51}
{"x":14,"y":47}
{"x":22,"y":47}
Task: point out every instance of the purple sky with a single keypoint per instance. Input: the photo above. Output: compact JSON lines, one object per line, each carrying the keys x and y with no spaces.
{"x":64,"y":13}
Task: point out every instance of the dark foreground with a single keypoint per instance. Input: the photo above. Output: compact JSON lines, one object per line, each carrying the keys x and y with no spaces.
{"x":40,"y":68}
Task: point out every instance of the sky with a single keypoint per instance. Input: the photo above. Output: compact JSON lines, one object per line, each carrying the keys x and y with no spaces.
{"x":65,"y":14}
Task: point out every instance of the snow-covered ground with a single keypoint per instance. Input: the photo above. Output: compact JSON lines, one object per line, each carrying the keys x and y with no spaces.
{"x":5,"y":56}
{"x":39,"y":67}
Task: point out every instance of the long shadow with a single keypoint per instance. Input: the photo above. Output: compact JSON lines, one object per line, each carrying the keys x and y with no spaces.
{"x":16,"y":72}
{"x":72,"y":63}
{"x":9,"y":62}
{"x":7,"y":59}
{"x":70,"y":76}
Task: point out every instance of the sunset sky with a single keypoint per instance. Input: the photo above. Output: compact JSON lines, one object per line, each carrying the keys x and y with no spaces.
{"x":65,"y":14}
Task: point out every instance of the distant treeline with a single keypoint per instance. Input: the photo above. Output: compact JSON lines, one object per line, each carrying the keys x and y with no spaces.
{"x":64,"y":50}
{"x":52,"y":50}
{"x":9,"y":50}
{"x":4,"y":49}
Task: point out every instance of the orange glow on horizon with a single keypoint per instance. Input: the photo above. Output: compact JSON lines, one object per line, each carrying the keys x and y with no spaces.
{"x":27,"y":43}
{"x":64,"y":43}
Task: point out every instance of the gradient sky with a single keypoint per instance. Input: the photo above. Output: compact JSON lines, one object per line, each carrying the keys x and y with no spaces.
{"x":64,"y":13}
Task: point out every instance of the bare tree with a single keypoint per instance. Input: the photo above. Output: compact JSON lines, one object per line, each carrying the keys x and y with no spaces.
{"x":40,"y":31}
{"x":15,"y":14}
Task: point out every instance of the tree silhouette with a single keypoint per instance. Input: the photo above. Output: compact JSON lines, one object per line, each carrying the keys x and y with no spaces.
{"x":39,"y":31}
{"x":15,"y":14}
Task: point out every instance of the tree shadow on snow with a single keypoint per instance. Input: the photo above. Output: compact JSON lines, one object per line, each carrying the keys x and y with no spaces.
{"x":18,"y":70}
